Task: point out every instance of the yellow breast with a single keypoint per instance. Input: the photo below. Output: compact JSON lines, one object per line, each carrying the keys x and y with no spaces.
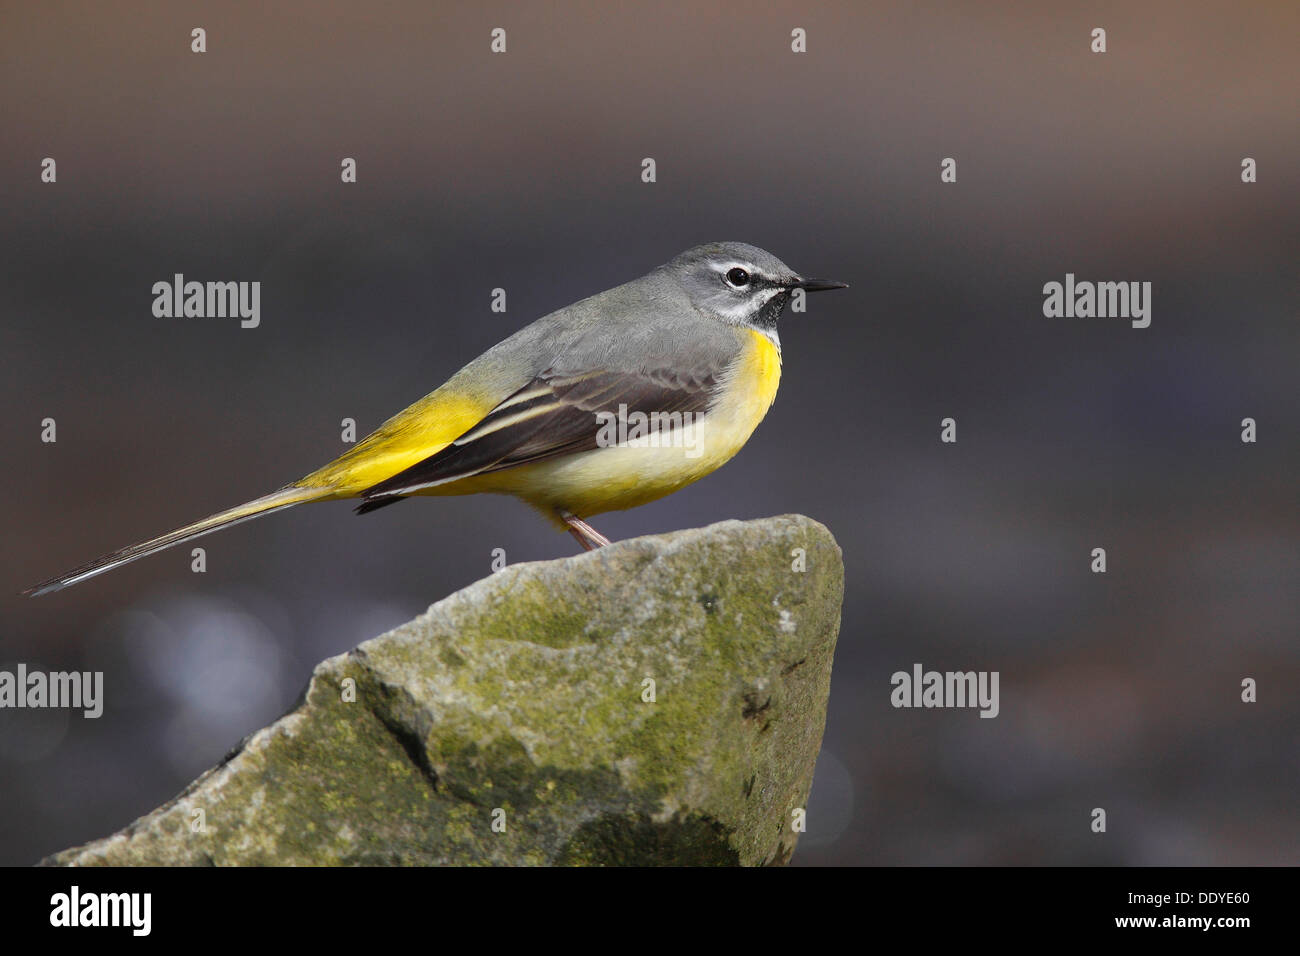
{"x":754,"y":381}
{"x":614,"y":478}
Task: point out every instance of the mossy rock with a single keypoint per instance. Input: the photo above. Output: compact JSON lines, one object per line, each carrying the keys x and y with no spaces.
{"x":510,"y":724}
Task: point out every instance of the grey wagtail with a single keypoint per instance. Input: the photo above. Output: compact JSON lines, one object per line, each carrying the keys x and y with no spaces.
{"x":607,"y":404}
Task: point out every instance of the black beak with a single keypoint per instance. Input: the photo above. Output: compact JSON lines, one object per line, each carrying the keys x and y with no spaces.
{"x":818,"y":285}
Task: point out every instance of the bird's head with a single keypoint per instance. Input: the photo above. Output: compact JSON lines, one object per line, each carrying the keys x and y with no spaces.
{"x":739,"y":283}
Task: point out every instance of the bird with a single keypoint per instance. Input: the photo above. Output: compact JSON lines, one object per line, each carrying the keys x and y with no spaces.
{"x":603,"y":405}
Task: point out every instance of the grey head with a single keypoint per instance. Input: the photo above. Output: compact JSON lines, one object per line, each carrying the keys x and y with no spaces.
{"x":738,"y":283}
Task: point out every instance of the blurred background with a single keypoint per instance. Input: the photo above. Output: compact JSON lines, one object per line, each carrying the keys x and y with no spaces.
{"x":522,"y":171}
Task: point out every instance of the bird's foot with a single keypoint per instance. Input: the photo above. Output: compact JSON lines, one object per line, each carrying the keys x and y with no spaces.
{"x":586,"y":535}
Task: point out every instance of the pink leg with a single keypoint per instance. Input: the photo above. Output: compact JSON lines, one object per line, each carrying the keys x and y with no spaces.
{"x":586,"y":535}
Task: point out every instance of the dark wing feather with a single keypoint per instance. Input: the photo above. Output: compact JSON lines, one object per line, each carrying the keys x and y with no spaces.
{"x":552,"y":415}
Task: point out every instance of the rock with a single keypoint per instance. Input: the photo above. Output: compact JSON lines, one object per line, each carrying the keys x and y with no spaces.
{"x":507,"y":724}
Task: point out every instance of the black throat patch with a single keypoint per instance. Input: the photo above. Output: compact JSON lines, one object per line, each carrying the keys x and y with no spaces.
{"x":766,"y":317}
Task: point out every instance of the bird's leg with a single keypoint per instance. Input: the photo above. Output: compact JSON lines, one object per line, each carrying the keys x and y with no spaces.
{"x":586,"y":535}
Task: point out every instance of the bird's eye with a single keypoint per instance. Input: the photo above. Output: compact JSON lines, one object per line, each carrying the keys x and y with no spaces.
{"x":738,"y":277}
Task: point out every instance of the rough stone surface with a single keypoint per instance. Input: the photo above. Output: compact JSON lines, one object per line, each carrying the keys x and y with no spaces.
{"x":520,"y":700}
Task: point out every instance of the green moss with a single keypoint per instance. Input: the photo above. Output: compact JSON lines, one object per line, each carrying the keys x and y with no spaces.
{"x":634,"y":839}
